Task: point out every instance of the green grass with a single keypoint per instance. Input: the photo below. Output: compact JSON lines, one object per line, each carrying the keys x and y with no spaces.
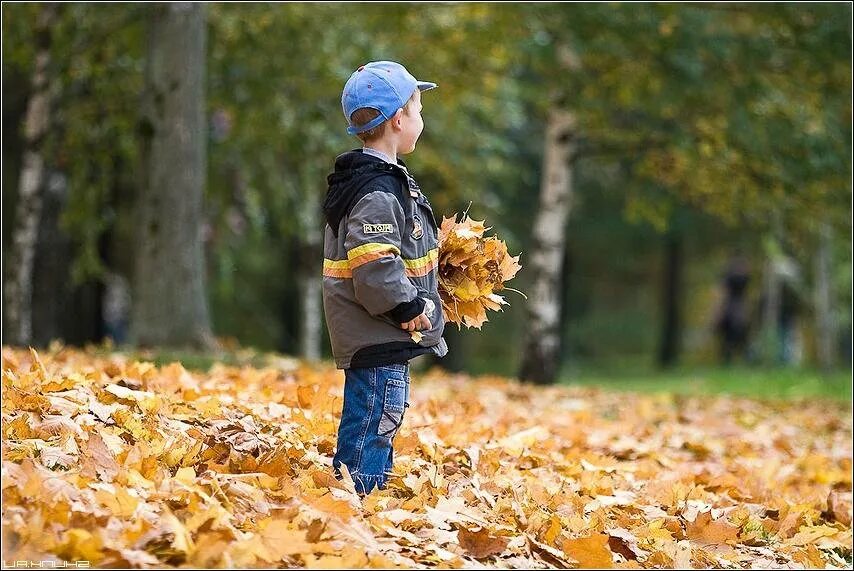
{"x":192,"y":360}
{"x":756,"y":382}
{"x":624,"y":375}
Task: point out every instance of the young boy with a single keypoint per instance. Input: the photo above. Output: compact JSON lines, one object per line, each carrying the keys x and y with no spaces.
{"x":380,"y":290}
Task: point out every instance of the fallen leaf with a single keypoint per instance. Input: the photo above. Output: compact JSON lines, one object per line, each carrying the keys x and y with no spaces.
{"x":706,"y":530}
{"x":480,"y":544}
{"x":591,"y":551}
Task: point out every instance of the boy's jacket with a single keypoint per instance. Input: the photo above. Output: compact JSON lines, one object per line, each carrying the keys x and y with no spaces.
{"x":381,"y":253}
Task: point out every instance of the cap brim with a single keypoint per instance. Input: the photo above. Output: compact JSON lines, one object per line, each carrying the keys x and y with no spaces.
{"x":425,"y":85}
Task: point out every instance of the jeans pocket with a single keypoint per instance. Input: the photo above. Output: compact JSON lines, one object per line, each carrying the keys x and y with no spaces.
{"x":394,"y":404}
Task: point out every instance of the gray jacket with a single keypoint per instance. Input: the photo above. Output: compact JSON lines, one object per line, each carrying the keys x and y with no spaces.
{"x":380,"y":264}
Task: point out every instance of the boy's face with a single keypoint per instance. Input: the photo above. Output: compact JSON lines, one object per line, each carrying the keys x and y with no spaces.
{"x":411,"y":125}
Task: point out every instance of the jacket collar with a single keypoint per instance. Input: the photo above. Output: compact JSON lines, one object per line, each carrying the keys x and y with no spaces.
{"x":353,"y":170}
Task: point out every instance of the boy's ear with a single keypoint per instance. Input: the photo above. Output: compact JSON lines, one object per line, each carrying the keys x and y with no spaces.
{"x":395,"y":119}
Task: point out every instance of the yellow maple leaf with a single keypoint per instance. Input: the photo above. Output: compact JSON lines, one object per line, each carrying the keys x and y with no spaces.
{"x":79,"y":544}
{"x":278,"y":538}
{"x":591,"y":551}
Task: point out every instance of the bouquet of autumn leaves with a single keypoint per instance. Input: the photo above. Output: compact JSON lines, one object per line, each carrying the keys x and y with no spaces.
{"x":471,"y":269}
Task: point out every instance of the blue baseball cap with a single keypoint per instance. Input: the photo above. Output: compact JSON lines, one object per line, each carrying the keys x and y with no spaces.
{"x":382,"y":85}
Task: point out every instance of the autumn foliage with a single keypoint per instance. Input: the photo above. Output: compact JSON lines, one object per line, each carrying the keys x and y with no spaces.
{"x":123,"y":463}
{"x":471,"y":269}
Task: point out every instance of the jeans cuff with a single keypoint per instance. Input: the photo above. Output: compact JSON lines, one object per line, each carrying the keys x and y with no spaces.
{"x":365,"y":483}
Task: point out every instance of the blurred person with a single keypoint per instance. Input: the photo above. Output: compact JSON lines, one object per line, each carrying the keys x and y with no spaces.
{"x":380,"y":288}
{"x":791,"y":305}
{"x":733,"y":322}
{"x":116,"y":307}
{"x":788,"y":344}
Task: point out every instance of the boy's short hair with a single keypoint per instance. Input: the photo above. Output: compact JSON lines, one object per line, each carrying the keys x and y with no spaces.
{"x":364,"y":115}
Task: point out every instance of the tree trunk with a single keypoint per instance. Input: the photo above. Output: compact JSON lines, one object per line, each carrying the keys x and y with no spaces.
{"x":170,"y":306}
{"x":52,"y":289}
{"x":671,"y":295}
{"x":311,"y":310}
{"x":565,"y":296}
{"x":825,"y":330}
{"x":18,"y":287}
{"x":541,"y":357}
{"x":772,"y":295}
{"x":309,"y":270}
{"x":310,"y":304}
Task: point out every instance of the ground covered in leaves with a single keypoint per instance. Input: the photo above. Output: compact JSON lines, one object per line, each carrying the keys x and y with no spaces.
{"x":123,"y":463}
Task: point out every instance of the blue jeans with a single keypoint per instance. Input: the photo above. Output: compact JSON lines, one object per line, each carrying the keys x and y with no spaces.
{"x":375,"y":399}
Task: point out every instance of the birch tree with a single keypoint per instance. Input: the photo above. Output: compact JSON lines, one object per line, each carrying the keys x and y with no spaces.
{"x":541,"y":356}
{"x":18,"y":287}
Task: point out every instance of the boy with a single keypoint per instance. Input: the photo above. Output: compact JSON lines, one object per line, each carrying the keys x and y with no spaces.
{"x":380,"y":289}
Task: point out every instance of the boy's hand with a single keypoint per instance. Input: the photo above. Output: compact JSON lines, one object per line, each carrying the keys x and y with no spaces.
{"x":420,"y":323}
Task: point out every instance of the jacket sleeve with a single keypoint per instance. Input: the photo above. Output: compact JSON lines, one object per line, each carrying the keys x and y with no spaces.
{"x":374,"y":230}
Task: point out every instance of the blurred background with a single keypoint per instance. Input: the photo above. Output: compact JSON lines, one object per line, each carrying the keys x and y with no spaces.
{"x":677,"y":178}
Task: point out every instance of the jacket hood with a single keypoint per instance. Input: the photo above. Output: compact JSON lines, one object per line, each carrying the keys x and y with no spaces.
{"x":353,"y":171}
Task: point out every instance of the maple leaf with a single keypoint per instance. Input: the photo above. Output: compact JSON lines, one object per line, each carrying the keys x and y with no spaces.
{"x":480,"y":544}
{"x":625,"y":543}
{"x":147,"y":401}
{"x":118,"y":500}
{"x":471,"y":269}
{"x":591,"y":551}
{"x":278,"y":538}
{"x":704,"y":529}
{"x":102,"y":458}
{"x":810,"y":557}
{"x":80,"y":544}
{"x":56,"y":457}
{"x":839,"y":507}
{"x":809,"y":534}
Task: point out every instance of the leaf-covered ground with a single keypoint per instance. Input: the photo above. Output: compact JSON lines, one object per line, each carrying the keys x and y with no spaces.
{"x":123,"y":463}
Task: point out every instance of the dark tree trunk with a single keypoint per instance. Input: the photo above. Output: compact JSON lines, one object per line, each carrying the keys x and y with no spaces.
{"x":52,"y":289}
{"x":668,"y":353}
{"x":290,"y":307}
{"x":170,"y":306}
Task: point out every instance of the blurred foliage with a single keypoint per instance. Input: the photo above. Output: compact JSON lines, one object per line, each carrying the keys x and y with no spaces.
{"x":712,"y":117}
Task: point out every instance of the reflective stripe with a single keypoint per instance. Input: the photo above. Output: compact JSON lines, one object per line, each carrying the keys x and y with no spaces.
{"x":338,"y":274}
{"x":337,"y":264}
{"x":423,"y":265}
{"x":337,"y":268}
{"x":368,"y":257}
{"x":373,"y":251}
{"x":369,"y":252}
{"x":371,"y":247}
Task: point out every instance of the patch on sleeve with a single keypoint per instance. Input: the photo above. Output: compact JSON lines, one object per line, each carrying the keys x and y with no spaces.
{"x":378,"y":228}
